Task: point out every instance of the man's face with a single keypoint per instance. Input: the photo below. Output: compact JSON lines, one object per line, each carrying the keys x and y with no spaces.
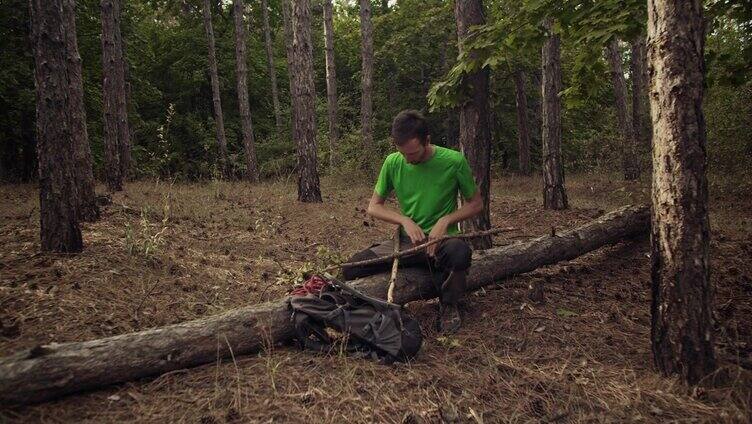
{"x":414,"y":151}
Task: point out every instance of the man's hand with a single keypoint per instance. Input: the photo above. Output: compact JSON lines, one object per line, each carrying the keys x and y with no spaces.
{"x":413,"y":231}
{"x":438,"y":231}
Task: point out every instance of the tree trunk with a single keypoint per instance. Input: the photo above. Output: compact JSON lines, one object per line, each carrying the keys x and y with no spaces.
{"x":554,"y":194}
{"x":127,"y":169}
{"x":270,"y":65}
{"x":331,"y":81}
{"x":629,"y":160}
{"x":682,"y":322}
{"x":84,"y":175}
{"x":216,"y":100}
{"x":536,"y":113}
{"x":58,"y":218}
{"x":475,"y":131}
{"x":110,"y":66}
{"x":450,"y":122}
{"x":304,"y":107}
{"x":124,"y":135}
{"x":49,"y":371}
{"x":241,"y":71}
{"x":287,"y":21}
{"x":366,"y":101}
{"x":640,"y":106}
{"x":523,"y":132}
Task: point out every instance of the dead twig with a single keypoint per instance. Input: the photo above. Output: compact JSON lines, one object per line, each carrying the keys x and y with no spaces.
{"x":143,"y":299}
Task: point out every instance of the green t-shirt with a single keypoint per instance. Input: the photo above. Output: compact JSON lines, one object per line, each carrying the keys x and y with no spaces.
{"x":428,"y":190}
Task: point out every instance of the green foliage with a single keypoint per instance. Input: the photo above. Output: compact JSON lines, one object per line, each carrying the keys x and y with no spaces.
{"x":17,"y":142}
{"x":417,"y":65}
{"x":515,"y":37}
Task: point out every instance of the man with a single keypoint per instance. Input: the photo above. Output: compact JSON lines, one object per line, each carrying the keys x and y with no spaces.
{"x":426,"y":180}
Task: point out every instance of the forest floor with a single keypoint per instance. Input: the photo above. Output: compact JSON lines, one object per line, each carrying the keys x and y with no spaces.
{"x":164,"y":253}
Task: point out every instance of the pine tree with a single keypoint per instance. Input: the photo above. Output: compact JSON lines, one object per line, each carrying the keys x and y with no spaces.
{"x":682,"y":321}
{"x":475,"y":130}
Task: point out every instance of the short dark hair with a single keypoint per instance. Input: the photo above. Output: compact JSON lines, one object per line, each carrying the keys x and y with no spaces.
{"x":408,"y":125}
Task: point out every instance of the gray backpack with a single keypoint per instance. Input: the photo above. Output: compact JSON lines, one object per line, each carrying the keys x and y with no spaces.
{"x":373,"y":328}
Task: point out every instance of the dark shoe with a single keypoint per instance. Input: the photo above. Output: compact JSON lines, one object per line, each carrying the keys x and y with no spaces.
{"x":450,"y":319}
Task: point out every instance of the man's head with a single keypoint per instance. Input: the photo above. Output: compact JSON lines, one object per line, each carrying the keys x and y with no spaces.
{"x":410,"y":135}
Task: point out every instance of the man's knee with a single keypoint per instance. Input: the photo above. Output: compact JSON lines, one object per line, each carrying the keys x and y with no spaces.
{"x":455,"y":254}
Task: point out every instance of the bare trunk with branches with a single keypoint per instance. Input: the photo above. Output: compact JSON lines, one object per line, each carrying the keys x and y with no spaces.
{"x":629,"y":159}
{"x":523,"y":131}
{"x":241,"y":71}
{"x":270,"y":65}
{"x":331,"y":81}
{"x":554,"y":194}
{"x":304,"y":103}
{"x":124,"y":132}
{"x":287,"y":25}
{"x":475,"y":129}
{"x":110,"y":103}
{"x":640,"y":105}
{"x":366,"y":101}
{"x":216,"y":99}
{"x":86,"y":197}
{"x":58,"y":218}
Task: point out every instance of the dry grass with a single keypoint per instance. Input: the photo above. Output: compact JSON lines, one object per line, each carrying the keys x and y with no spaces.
{"x":179,"y":251}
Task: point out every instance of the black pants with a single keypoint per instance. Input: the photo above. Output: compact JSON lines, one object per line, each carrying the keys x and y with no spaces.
{"x":451,"y":256}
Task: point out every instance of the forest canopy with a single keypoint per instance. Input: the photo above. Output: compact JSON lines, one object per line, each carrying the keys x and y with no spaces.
{"x":415,"y":54}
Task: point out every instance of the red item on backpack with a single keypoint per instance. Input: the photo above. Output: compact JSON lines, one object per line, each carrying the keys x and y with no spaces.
{"x":314,"y":285}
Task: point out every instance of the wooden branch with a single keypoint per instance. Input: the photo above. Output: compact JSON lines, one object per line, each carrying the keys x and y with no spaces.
{"x":418,"y":248}
{"x":395,"y":266}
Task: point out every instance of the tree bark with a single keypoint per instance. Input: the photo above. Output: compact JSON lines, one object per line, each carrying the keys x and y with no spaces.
{"x":629,"y":159}
{"x":475,"y":131}
{"x":270,"y":65}
{"x":127,"y":168}
{"x":682,"y":322}
{"x":554,"y":194}
{"x":331,"y":81}
{"x":58,"y":218}
{"x":449,"y":123}
{"x":50,"y":371}
{"x":287,"y":21}
{"x":304,"y":107}
{"x":366,"y":101}
{"x":241,"y":71}
{"x":110,"y":107}
{"x":640,"y":107}
{"x":124,"y":134}
{"x":216,"y":99}
{"x":523,"y":131}
{"x":87,"y":204}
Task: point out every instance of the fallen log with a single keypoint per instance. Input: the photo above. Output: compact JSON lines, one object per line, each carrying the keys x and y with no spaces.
{"x":50,"y":371}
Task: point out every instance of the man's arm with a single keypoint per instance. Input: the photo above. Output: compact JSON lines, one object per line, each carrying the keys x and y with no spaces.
{"x":378,"y":210}
{"x":472,"y":207}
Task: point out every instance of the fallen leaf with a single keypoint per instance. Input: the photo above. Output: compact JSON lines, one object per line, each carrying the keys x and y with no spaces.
{"x":566,"y":313}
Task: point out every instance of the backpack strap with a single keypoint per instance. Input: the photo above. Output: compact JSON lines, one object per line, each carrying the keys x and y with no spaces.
{"x":382,"y":304}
